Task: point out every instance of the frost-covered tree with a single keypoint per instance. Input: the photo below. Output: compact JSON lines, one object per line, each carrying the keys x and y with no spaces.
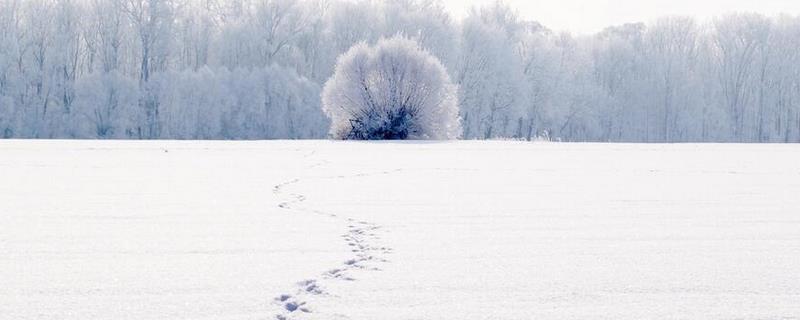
{"x":153,"y":21}
{"x":739,"y":49}
{"x":672,"y":52}
{"x":391,"y":91}
{"x":490,"y":73}
{"x":105,"y":35}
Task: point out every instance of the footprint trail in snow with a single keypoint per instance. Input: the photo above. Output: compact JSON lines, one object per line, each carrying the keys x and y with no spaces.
{"x":361,"y":237}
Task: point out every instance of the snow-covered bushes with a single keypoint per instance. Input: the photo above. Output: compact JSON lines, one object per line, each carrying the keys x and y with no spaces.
{"x":106,"y":105}
{"x":391,"y":91}
{"x":6,"y":117}
{"x":273,"y":102}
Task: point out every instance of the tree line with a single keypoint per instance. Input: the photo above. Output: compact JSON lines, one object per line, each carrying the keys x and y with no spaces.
{"x":254,"y":69}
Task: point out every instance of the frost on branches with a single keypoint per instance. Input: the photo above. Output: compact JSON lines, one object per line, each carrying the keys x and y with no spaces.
{"x":391,"y":91}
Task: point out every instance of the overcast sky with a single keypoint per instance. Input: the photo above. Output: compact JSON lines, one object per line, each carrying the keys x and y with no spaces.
{"x":589,"y":16}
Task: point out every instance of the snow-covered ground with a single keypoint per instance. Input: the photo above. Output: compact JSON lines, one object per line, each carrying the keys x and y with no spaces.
{"x":332,"y":230}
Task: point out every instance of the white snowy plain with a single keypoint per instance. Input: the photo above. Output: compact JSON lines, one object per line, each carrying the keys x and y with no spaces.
{"x":429,"y":231}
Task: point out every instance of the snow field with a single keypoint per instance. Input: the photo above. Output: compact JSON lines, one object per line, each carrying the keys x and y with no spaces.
{"x":465,"y":230}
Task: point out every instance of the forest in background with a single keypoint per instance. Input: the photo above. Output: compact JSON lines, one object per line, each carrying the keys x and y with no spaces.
{"x":254,"y":69}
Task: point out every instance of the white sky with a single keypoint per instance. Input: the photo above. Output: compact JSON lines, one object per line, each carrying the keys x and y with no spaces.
{"x":589,"y":16}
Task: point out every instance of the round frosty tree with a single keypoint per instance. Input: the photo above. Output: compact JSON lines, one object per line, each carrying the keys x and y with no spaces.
{"x":391,"y":91}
